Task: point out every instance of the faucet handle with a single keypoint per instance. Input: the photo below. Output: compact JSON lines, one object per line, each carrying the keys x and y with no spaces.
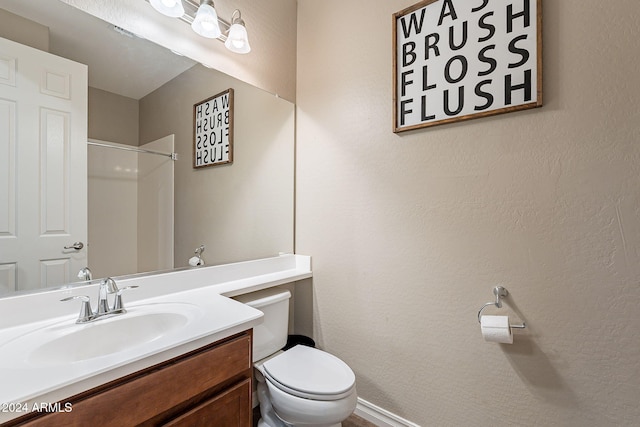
{"x":117,"y":304}
{"x":86,"y":314}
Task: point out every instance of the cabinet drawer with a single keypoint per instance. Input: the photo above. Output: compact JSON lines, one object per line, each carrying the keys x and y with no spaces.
{"x":128,"y":403}
{"x":231,"y":408}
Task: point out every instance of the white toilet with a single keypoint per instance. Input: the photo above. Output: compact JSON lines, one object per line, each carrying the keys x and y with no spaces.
{"x":302,"y":386}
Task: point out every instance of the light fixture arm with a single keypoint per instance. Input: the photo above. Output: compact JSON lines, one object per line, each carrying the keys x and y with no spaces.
{"x":238,"y":18}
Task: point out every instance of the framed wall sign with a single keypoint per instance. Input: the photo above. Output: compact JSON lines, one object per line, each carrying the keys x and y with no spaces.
{"x":213,"y":130}
{"x":462,"y":59}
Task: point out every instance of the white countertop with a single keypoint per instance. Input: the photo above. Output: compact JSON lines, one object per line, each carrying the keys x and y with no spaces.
{"x":25,"y":382}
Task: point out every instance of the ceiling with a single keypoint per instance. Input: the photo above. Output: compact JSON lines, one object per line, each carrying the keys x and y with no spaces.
{"x":119,"y":63}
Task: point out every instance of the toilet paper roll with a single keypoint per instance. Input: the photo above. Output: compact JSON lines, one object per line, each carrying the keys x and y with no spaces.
{"x":496,"y":329}
{"x":194,"y":261}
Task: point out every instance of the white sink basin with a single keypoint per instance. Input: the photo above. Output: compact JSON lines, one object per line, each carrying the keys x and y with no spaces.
{"x":53,"y":358}
{"x":67,"y":342}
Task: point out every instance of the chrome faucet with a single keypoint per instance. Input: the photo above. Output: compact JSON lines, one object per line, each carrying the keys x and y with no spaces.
{"x":107,"y":286}
{"x":85,"y":274}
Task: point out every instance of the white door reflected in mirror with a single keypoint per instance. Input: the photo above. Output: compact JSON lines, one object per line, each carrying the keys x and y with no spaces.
{"x":43,"y":194}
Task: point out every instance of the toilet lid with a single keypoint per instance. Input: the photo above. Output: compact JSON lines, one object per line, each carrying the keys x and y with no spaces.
{"x":308,"y":372}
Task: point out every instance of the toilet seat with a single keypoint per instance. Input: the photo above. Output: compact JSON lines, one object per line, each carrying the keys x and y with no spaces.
{"x":310,"y":373}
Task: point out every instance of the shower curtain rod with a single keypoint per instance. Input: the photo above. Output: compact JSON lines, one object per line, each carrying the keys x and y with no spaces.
{"x":172,"y":156}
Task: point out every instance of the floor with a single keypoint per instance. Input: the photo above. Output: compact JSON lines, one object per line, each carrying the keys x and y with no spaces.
{"x":352,"y":421}
{"x":356,"y":421}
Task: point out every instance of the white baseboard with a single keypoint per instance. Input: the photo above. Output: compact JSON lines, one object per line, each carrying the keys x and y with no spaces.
{"x":380,"y":417}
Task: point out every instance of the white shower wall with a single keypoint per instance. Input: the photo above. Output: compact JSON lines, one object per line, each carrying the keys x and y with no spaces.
{"x":155,"y":207}
{"x":130,"y":210}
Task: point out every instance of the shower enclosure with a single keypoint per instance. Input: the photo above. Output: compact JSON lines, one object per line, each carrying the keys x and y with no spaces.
{"x":130,"y":206}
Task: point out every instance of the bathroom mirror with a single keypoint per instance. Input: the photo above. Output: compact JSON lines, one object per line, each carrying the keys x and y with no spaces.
{"x":239,"y":211}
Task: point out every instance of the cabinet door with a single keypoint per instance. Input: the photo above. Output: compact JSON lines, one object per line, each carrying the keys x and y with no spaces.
{"x":232,"y":408}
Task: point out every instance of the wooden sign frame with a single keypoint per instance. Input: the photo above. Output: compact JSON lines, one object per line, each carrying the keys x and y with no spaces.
{"x":457,"y":60}
{"x":213,"y":130}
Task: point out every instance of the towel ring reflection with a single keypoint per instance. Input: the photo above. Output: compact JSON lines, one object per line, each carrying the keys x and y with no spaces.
{"x":500,"y":292}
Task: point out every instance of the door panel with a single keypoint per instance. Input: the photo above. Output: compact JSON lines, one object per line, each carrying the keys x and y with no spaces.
{"x":43,"y":171}
{"x":7,"y":169}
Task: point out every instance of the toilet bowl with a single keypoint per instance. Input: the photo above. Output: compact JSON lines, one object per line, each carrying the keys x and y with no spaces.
{"x":306,"y":387}
{"x":302,"y":386}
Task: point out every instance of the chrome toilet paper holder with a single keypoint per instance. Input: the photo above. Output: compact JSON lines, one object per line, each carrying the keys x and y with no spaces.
{"x":500,"y":292}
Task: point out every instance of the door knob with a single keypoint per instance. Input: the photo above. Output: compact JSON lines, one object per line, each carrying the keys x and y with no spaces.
{"x":77,"y":246}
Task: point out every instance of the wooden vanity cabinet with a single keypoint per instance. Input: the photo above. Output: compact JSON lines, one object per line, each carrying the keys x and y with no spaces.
{"x":228,"y":408}
{"x":208,"y":387}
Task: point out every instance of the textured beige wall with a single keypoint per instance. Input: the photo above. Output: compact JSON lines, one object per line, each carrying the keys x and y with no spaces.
{"x":21,"y":30}
{"x":242,"y":210}
{"x":409,"y":233}
{"x":113,"y":117}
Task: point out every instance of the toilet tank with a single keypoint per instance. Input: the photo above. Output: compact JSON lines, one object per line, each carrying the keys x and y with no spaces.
{"x":271,"y":335}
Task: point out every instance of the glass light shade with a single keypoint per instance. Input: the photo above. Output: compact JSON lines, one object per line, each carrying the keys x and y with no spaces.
{"x":238,"y":40}
{"x":172,"y":8}
{"x":206,"y":22}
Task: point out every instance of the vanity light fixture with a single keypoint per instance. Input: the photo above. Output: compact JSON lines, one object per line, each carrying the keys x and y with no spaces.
{"x":204,"y":20}
{"x":171,"y":8}
{"x":237,"y":39}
